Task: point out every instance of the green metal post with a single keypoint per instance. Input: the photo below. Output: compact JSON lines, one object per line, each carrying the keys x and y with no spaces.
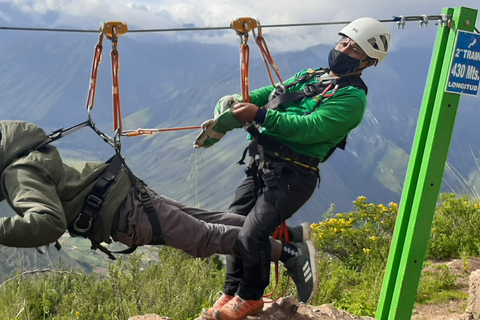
{"x":424,"y":176}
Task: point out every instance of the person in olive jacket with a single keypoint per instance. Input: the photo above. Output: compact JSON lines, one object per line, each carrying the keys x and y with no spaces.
{"x":48,"y":195}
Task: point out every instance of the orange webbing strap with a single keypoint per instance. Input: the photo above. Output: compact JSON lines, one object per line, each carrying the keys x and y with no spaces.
{"x":117,"y":109}
{"x":138,"y":132}
{"x":97,"y":59}
{"x":267,"y":56}
{"x":245,"y":70}
{"x":281,"y":233}
{"x":113,"y":30}
{"x":242,"y":26}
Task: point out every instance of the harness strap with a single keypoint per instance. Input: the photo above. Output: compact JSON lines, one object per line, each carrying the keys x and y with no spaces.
{"x":143,"y":196}
{"x":309,"y":90}
{"x":57,"y":134}
{"x":84,"y":225}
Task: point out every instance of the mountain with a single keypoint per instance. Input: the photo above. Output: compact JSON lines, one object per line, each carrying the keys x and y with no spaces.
{"x":45,"y":79}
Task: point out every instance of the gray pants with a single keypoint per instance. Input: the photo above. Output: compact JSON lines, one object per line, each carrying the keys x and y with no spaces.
{"x":198,"y":232}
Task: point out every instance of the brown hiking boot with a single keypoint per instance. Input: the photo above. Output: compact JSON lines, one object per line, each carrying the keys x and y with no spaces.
{"x":208,"y":314}
{"x":238,"y":309}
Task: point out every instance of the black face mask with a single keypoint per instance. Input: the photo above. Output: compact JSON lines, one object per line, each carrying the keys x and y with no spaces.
{"x":341,"y":63}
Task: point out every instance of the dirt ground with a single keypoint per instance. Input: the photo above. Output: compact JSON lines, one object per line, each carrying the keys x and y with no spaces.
{"x":453,"y":310}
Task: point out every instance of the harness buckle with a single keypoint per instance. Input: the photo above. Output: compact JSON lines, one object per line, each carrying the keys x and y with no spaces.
{"x":310,"y":90}
{"x":93,"y":202}
{"x":79,"y":229}
{"x":270,"y":179}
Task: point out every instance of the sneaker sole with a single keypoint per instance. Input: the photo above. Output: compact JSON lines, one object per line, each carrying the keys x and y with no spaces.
{"x":307,"y":231}
{"x":312,"y":250}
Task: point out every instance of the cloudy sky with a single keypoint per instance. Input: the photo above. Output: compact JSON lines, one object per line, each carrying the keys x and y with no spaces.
{"x":158,"y":14}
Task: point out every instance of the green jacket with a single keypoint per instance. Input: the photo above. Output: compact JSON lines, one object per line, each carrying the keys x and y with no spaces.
{"x":46,"y":193}
{"x":309,"y":131}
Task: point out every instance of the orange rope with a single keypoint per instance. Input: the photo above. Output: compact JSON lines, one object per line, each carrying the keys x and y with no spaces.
{"x":245,"y":71}
{"x":267,"y":57}
{"x":97,"y":59}
{"x":281,"y":233}
{"x":138,"y":132}
{"x":117,"y":109}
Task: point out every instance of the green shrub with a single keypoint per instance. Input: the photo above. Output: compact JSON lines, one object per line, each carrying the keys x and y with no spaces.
{"x":455,"y":228}
{"x":177,"y":286}
{"x":353,"y":250}
{"x":437,"y":285}
{"x":357,"y":236}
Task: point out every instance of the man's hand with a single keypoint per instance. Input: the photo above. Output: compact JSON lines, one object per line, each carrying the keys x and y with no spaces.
{"x":245,"y":112}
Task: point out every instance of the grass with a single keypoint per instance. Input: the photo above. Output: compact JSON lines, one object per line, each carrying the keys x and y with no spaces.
{"x":352,"y":258}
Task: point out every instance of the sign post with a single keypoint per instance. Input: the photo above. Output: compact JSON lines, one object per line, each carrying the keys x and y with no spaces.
{"x":427,"y":165}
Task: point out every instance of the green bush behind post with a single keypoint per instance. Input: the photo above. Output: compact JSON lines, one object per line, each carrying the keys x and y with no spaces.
{"x":353,"y":250}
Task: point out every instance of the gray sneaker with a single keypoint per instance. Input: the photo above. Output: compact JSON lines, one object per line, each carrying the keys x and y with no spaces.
{"x":303,"y":270}
{"x":300,"y":233}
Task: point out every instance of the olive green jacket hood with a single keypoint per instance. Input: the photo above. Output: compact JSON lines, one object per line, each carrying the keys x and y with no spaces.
{"x":16,"y":139}
{"x":46,"y":193}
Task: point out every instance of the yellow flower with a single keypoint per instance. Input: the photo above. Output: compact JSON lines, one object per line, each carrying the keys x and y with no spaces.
{"x":373,"y":238}
{"x":77,"y":314}
{"x":393,"y":205}
{"x":367,"y":251}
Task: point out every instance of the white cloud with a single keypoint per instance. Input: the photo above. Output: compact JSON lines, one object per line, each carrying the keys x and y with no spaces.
{"x":155,"y":14}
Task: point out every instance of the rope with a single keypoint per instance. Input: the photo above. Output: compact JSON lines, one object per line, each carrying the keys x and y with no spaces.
{"x":38,"y":271}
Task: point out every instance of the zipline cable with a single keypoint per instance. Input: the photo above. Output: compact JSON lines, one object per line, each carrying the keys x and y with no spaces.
{"x":400,"y":20}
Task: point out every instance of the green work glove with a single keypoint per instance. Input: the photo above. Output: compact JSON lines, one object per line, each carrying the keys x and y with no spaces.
{"x":214,"y":129}
{"x":226,"y":103}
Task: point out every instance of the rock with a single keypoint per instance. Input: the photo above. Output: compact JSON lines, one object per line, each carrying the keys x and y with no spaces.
{"x":473,"y":306}
{"x":290,"y":309}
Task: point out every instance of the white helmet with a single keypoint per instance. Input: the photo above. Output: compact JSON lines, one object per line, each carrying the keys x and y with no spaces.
{"x":371,"y":35}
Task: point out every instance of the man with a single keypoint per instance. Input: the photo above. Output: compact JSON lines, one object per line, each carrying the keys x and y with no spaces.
{"x":48,"y":196}
{"x":301,"y":122}
{"x":103,"y":202}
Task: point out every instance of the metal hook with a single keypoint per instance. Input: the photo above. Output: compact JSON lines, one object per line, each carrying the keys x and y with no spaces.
{"x":401,"y":23}
{"x":443,"y":20}
{"x":424,"y":21}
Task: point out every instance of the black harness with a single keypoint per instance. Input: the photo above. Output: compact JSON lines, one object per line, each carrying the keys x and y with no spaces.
{"x":87,"y":221}
{"x":262,"y":147}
